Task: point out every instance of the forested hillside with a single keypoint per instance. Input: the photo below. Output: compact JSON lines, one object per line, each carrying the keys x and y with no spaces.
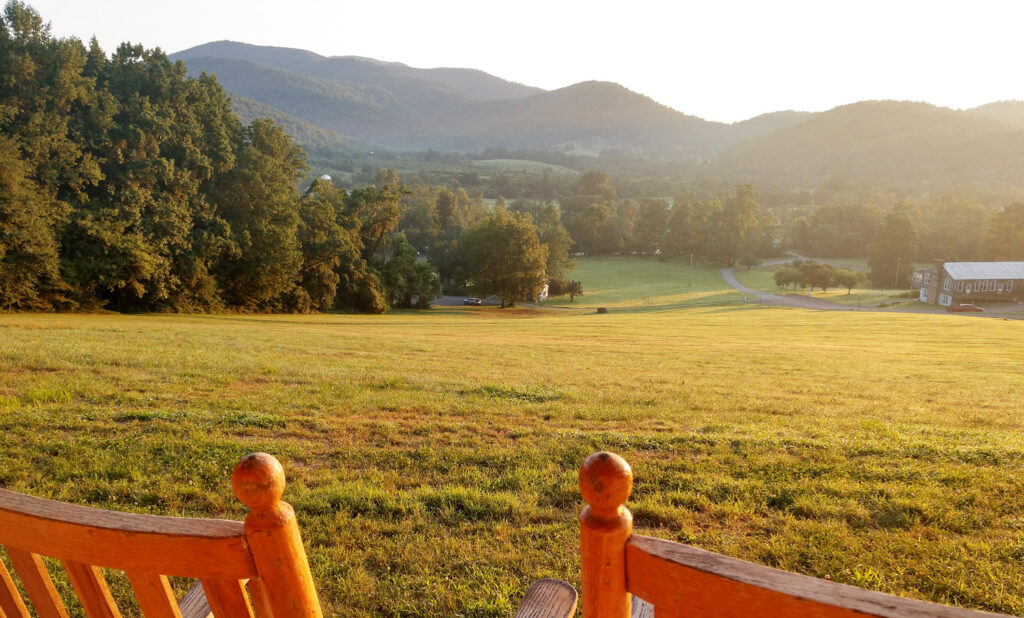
{"x":910,"y":145}
{"x":126,"y":184}
{"x":902,"y":143}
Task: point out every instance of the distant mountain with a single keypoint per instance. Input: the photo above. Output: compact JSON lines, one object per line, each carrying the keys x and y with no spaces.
{"x":1008,"y":112}
{"x":591,"y":116}
{"x":455,"y":109}
{"x":765,"y":123}
{"x":302,"y":132}
{"x":892,"y":141}
{"x":320,"y":99}
{"x":470,"y":84}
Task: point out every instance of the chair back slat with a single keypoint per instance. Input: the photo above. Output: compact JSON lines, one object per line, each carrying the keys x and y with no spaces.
{"x":36,"y":580}
{"x":260,"y":599}
{"x":92,"y":590}
{"x":266,"y":551}
{"x":154,"y":594}
{"x":11,"y":604}
{"x":227,"y":598}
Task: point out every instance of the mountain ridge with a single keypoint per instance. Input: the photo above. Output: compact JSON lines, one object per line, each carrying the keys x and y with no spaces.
{"x":393,"y":105}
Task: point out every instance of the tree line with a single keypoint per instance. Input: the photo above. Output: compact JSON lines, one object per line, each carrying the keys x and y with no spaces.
{"x":944,"y":227}
{"x":124,"y":183}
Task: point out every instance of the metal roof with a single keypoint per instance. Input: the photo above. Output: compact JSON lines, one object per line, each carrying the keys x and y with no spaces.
{"x":985,"y":270}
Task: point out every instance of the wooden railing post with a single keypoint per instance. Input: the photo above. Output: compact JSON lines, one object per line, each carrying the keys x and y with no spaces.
{"x":274,"y":540}
{"x":606,"y":481}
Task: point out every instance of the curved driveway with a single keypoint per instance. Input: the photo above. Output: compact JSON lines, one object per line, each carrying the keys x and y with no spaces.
{"x":791,"y":300}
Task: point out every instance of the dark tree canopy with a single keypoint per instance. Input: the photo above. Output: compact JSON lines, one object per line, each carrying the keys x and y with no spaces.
{"x":125,"y":183}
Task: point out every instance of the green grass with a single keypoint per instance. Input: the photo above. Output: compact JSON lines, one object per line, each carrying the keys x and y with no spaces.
{"x":522,"y":165}
{"x":641,"y":282}
{"x":432,"y":457}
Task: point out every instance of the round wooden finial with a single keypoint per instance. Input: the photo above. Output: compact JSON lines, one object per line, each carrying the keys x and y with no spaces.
{"x":258,"y":481}
{"x":606,"y":481}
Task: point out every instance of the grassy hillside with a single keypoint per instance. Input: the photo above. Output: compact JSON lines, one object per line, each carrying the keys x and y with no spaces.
{"x":432,"y":457}
{"x":646,"y":282}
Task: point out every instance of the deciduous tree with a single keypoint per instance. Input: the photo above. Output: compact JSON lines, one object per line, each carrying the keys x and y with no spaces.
{"x":505,"y":256}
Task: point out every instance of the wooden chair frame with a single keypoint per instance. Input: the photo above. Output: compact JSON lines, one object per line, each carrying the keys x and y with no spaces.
{"x":259,"y":569}
{"x":256,"y":569}
{"x":625,"y":574}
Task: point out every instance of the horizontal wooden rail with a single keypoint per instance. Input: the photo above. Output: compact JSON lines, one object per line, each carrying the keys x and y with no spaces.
{"x":685,"y":581}
{"x":125,"y":541}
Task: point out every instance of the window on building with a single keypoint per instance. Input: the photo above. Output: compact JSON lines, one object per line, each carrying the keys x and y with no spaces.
{"x":946,"y":284}
{"x":960,"y":286}
{"x":927,"y":278}
{"x":1009,"y":285}
{"x":983,"y":286}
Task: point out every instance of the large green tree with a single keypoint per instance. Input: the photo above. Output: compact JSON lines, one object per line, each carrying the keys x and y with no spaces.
{"x":553,"y":235}
{"x":505,"y":256}
{"x":260,"y":201}
{"x":893,"y":251}
{"x":1004,"y":237}
{"x":44,"y":165}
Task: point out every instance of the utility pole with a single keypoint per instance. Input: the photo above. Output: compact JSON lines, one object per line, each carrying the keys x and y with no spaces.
{"x":896,"y":279}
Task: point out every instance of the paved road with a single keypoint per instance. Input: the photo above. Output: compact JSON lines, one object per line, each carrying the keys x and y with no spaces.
{"x":789,"y":300}
{"x":453,"y":301}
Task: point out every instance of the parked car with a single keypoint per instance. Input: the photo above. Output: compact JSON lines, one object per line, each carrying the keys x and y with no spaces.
{"x":964,"y":307}
{"x":472,"y":301}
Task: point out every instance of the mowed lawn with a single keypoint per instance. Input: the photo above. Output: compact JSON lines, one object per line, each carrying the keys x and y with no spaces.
{"x":646,"y":281}
{"x":432,"y":456}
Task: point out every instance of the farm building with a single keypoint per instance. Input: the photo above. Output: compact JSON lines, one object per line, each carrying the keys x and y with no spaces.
{"x":953,"y":283}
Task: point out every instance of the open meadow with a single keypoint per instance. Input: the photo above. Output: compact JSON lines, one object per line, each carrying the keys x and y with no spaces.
{"x":432,"y":456}
{"x":645,"y":281}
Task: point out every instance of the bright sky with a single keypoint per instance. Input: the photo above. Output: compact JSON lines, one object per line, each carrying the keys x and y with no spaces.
{"x":723,"y":60}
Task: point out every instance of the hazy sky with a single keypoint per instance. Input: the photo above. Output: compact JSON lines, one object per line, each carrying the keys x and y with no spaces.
{"x":721,"y":60}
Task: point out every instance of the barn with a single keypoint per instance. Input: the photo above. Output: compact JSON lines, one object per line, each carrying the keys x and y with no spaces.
{"x":953,"y":283}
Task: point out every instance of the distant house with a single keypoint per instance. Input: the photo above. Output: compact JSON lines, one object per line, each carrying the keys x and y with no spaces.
{"x":953,"y":283}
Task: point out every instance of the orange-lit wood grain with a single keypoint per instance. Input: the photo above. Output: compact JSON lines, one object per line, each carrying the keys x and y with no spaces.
{"x":11,"y":603}
{"x":154,"y":594}
{"x":36,"y":580}
{"x":605,"y":525}
{"x":273,"y":536}
{"x":92,"y":590}
{"x":124,"y":541}
{"x":227,"y":598}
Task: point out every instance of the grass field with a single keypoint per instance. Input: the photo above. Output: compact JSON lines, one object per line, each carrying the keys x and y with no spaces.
{"x":432,"y":457}
{"x":641,"y":282}
{"x":522,"y":165}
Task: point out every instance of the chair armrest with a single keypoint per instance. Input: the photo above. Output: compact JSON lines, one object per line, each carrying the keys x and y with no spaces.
{"x":194,"y":603}
{"x":641,"y":608}
{"x":548,"y":598}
